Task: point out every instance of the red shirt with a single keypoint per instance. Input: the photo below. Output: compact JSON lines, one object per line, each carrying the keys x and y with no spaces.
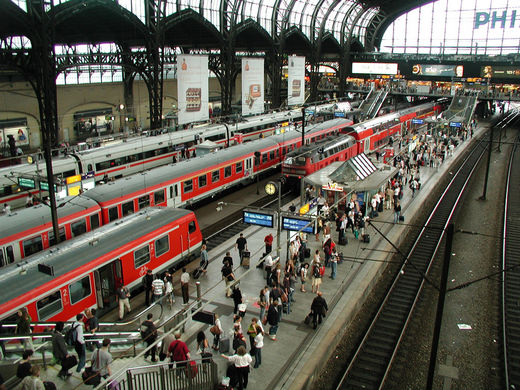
{"x":268,"y":239}
{"x":179,"y":350}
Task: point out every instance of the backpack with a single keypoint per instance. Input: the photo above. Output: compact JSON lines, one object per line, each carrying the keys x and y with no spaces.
{"x":71,"y":337}
{"x":316,"y":272}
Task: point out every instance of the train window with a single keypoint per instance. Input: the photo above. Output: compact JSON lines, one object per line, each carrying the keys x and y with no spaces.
{"x":141,"y":256}
{"x":192,"y":227}
{"x":32,"y":245}
{"x":264,"y":158}
{"x":227,"y":171}
{"x":78,"y":228}
{"x":7,"y":190}
{"x":112,"y":214}
{"x":203,"y":181}
{"x":79,"y":290}
{"x":69,"y":173}
{"x":89,"y":168}
{"x":49,"y":306}
{"x":158,"y":197}
{"x":162,"y":246}
{"x":94,"y":221}
{"x":215,"y":176}
{"x":102,"y":165}
{"x":143,"y":201}
{"x":2,"y":261}
{"x":128,"y":208}
{"x":238,"y":167}
{"x":187,"y":185}
{"x":52,"y":241}
{"x":271,"y":155}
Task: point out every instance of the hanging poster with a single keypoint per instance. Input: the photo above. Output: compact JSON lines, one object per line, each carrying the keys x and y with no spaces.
{"x":192,"y":88}
{"x":296,"y":82}
{"x":252,"y":86}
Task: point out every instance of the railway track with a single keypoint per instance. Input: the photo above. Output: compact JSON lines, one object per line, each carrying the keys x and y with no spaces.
{"x":511,"y":274}
{"x":371,"y":363}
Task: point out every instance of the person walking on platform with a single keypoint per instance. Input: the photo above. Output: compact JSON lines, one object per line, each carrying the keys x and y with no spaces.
{"x":123,"y":297}
{"x":149,"y":335}
{"x":318,"y":308}
{"x":185,"y":284}
{"x":269,"y":263}
{"x":263,"y":301}
{"x":158,"y":289}
{"x":204,"y":259}
{"x":60,"y":353}
{"x":179,"y":352}
{"x":79,"y":344}
{"x":397,"y":211}
{"x":303,"y":275}
{"x":273,"y":319}
{"x":217,"y":332}
{"x":102,"y":359}
{"x":147,"y":284}
{"x":241,"y":246}
{"x":268,"y":240}
{"x":228,"y":276}
{"x":228,"y":259}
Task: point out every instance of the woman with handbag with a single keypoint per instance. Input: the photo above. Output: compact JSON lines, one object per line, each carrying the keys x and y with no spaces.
{"x":216,"y":330}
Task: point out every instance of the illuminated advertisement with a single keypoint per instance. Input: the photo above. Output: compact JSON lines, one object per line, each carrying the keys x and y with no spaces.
{"x":374,"y":68}
{"x":296,"y":82}
{"x":438,"y":70}
{"x":192,"y":88}
{"x":252,"y":86}
{"x":505,"y":72}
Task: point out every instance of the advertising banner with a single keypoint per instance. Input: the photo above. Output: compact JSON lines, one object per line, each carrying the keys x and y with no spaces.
{"x":192,"y":88}
{"x":252,"y":86}
{"x":438,"y":70}
{"x":374,"y":68}
{"x":505,"y":72}
{"x":296,"y":82}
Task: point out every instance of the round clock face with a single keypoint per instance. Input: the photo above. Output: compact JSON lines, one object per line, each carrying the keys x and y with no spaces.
{"x":270,"y":188}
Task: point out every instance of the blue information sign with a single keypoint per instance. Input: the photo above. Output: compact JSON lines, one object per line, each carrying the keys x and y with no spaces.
{"x":256,"y":218}
{"x":455,"y":124}
{"x":297,"y":224}
{"x":418,"y":121}
{"x":339,"y":114}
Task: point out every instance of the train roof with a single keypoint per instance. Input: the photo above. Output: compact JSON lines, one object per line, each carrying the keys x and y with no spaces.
{"x":61,"y":164}
{"x":136,"y":144}
{"x":141,"y":181}
{"x":21,"y":220}
{"x":72,"y":254}
{"x":325,"y":143}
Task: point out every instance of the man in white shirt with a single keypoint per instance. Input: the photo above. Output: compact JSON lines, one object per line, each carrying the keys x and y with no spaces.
{"x":269,"y":263}
{"x":79,"y":344}
{"x":158,"y":289}
{"x":185,"y":280}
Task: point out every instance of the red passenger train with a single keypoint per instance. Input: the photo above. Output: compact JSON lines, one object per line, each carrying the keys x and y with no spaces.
{"x":27,"y":231}
{"x":363,"y":137}
{"x":86,"y":271}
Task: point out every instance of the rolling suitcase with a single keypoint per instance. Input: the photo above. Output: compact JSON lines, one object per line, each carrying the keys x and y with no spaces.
{"x":307,"y":253}
{"x":366,"y":238}
{"x":401,"y":218}
{"x":246,"y":259}
{"x":343,"y":241}
{"x":223,"y":346}
{"x":196,"y":273}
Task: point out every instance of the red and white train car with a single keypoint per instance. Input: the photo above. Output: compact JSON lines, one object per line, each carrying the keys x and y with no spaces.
{"x":376,"y":132}
{"x":87,"y":270}
{"x":28,"y":231}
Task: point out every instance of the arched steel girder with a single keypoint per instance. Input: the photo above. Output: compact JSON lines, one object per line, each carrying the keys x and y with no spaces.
{"x":173,"y":19}
{"x":353,"y":24}
{"x":325,"y":17}
{"x":71,"y":9}
{"x":274,"y":21}
{"x":373,"y":30}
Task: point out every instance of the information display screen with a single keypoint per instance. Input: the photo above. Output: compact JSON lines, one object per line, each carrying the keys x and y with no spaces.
{"x":297,"y":224}
{"x":374,"y":68}
{"x":260,"y":219}
{"x":26,"y":183}
{"x":455,"y":124}
{"x":417,"y":121}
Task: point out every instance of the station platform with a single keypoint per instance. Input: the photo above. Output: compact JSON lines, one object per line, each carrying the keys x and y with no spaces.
{"x":300,"y":352}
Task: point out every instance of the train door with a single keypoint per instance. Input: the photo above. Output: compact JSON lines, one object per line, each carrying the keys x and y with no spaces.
{"x":107,"y":279}
{"x":367,"y":145}
{"x":249,"y":167}
{"x":6,"y":255}
{"x":174,"y":195}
